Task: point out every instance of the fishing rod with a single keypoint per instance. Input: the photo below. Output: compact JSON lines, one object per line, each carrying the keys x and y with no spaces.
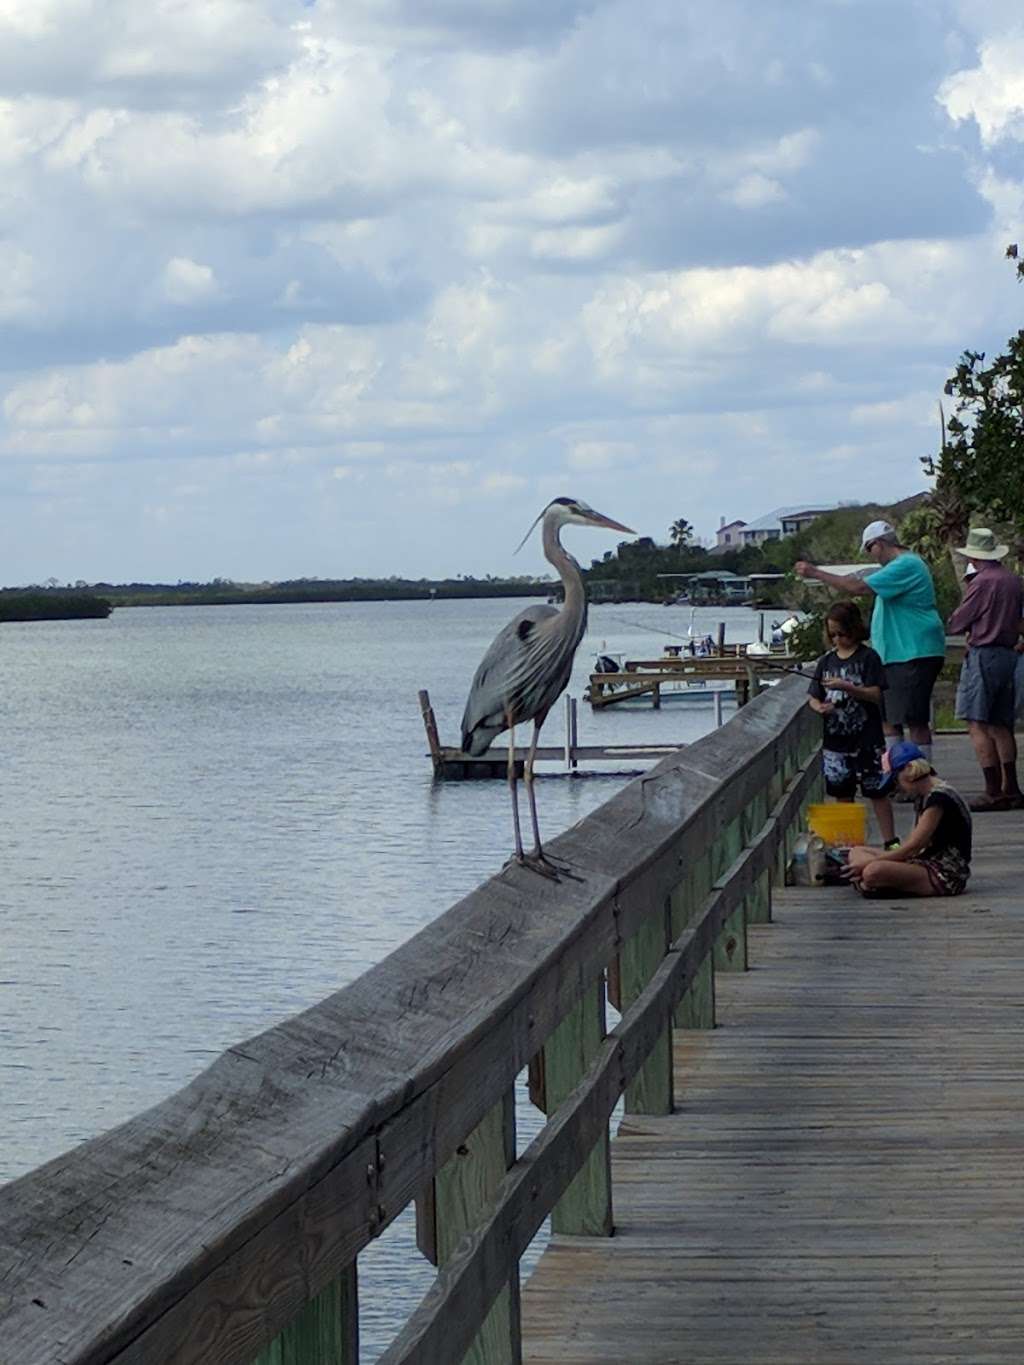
{"x":656,"y":630}
{"x":762,"y":662}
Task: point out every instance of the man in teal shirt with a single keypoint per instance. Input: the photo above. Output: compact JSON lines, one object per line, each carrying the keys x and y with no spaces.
{"x":906,"y":629}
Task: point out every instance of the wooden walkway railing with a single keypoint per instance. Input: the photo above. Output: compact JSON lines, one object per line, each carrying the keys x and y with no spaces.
{"x":224,"y":1225}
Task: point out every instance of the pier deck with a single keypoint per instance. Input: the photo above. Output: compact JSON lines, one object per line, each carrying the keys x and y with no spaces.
{"x":842,"y":1179}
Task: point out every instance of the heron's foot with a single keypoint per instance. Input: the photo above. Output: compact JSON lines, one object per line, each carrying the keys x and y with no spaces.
{"x":541,"y":865}
{"x":540,"y":859}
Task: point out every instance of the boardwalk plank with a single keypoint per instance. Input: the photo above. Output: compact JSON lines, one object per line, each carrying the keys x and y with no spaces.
{"x":842,"y":1179}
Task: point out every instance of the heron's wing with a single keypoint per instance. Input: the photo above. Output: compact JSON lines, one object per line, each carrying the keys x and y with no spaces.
{"x":527,"y":665}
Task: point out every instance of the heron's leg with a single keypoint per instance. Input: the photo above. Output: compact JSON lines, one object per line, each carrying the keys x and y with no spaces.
{"x":519,"y":856}
{"x":538,"y":852}
{"x":538,"y":859}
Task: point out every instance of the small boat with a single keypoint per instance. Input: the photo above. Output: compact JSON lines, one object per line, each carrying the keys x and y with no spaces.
{"x":781,"y":630}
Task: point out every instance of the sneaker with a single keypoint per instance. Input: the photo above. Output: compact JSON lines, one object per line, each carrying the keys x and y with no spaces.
{"x":893,"y":843}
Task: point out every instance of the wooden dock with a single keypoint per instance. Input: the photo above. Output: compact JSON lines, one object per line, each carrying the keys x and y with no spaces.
{"x":842,"y":1178}
{"x":454,"y":764}
{"x":654,"y":677}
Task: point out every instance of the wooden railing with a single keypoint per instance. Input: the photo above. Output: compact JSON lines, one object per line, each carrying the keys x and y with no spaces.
{"x":224,"y":1224}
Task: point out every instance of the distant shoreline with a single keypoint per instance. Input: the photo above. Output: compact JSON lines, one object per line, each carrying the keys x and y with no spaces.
{"x":41,"y":605}
{"x":99,"y":599}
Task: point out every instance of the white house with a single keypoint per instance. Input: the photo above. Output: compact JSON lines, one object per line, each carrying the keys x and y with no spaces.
{"x":727,"y":536}
{"x":784,"y":521}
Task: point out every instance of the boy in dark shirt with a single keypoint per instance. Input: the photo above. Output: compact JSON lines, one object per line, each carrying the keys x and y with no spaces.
{"x":846,"y":691}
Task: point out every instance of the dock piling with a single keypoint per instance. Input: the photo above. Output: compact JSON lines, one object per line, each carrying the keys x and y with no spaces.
{"x":430,"y":725}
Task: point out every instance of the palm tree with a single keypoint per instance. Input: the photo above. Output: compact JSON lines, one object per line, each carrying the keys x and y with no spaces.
{"x":681,"y":533}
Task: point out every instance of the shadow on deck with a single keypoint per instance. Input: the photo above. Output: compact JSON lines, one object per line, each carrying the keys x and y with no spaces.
{"x":843,"y":1178}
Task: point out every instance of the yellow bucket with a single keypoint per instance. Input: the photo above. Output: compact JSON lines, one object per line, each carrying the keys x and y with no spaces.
{"x":840,"y":824}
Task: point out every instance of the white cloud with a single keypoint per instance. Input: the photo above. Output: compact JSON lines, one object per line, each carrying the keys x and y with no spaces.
{"x":465,"y":249}
{"x":499,"y":485}
{"x":133,"y":53}
{"x":591,"y":455}
{"x":187,"y":282}
{"x":17,"y":280}
{"x":754,"y":191}
{"x":915,"y":409}
{"x":991,"y":93}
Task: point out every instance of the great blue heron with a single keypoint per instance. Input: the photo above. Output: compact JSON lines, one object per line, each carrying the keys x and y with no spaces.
{"x":529,"y":663}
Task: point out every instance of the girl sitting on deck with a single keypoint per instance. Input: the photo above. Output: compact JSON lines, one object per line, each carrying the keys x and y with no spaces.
{"x":846,"y":691}
{"x":935,"y":858}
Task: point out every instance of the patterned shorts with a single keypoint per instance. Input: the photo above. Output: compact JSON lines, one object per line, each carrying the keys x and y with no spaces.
{"x":845,"y":772}
{"x":947,"y":870}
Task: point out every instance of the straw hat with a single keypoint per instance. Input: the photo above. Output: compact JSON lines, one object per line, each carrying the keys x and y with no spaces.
{"x":981,"y":544}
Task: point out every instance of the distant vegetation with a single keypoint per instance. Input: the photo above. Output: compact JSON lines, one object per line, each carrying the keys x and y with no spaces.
{"x":82,"y":599}
{"x":46,"y":605}
{"x":833,"y":538}
{"x":223,"y":592}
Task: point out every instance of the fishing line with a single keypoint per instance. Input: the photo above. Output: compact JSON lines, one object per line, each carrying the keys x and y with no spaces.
{"x":654,"y":630}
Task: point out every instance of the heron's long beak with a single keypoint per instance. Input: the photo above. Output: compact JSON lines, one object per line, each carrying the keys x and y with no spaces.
{"x":599,"y":519}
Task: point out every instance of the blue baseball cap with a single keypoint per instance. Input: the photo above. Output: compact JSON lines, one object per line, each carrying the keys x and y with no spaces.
{"x":895,"y":760}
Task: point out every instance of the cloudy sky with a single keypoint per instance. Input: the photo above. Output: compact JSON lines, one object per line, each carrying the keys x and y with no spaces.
{"x":357,"y":286}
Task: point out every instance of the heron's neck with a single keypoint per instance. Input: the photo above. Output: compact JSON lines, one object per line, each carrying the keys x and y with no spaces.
{"x":568,"y":571}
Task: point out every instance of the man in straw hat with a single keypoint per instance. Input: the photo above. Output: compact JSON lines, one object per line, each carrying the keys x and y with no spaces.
{"x":990,"y":615}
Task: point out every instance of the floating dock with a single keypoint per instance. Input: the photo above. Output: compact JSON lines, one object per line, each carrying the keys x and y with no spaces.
{"x":453,"y":764}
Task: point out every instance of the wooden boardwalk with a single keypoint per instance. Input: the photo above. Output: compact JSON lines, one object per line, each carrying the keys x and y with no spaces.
{"x":843,"y":1178}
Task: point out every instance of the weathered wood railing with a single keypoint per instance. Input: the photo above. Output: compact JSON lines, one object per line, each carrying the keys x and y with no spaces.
{"x":224,"y":1224}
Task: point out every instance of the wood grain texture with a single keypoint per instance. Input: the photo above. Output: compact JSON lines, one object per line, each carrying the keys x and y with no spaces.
{"x":325,"y":1332}
{"x":586,"y":1207}
{"x":465,"y":1189}
{"x":650,"y":1090}
{"x":697,"y":1007}
{"x":731,"y":948}
{"x":843,"y":1179}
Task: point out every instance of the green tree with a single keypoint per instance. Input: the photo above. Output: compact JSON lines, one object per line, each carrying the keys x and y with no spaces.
{"x":979,"y":470}
{"x":680,"y":533}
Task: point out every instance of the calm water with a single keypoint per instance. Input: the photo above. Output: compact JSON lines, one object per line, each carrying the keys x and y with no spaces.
{"x":214,"y":816}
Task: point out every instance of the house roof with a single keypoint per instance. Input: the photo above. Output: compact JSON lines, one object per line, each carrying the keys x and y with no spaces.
{"x":729,"y":525}
{"x":772,"y":521}
{"x":716,"y":575}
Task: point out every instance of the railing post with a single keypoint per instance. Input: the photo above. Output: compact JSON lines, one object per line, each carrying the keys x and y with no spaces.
{"x":586,"y":1207}
{"x":731,"y":945}
{"x":759,"y":902}
{"x":463,"y":1190}
{"x":650,"y":1090}
{"x":697,"y":1007}
{"x":324,"y":1332}
{"x":788,"y":766}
